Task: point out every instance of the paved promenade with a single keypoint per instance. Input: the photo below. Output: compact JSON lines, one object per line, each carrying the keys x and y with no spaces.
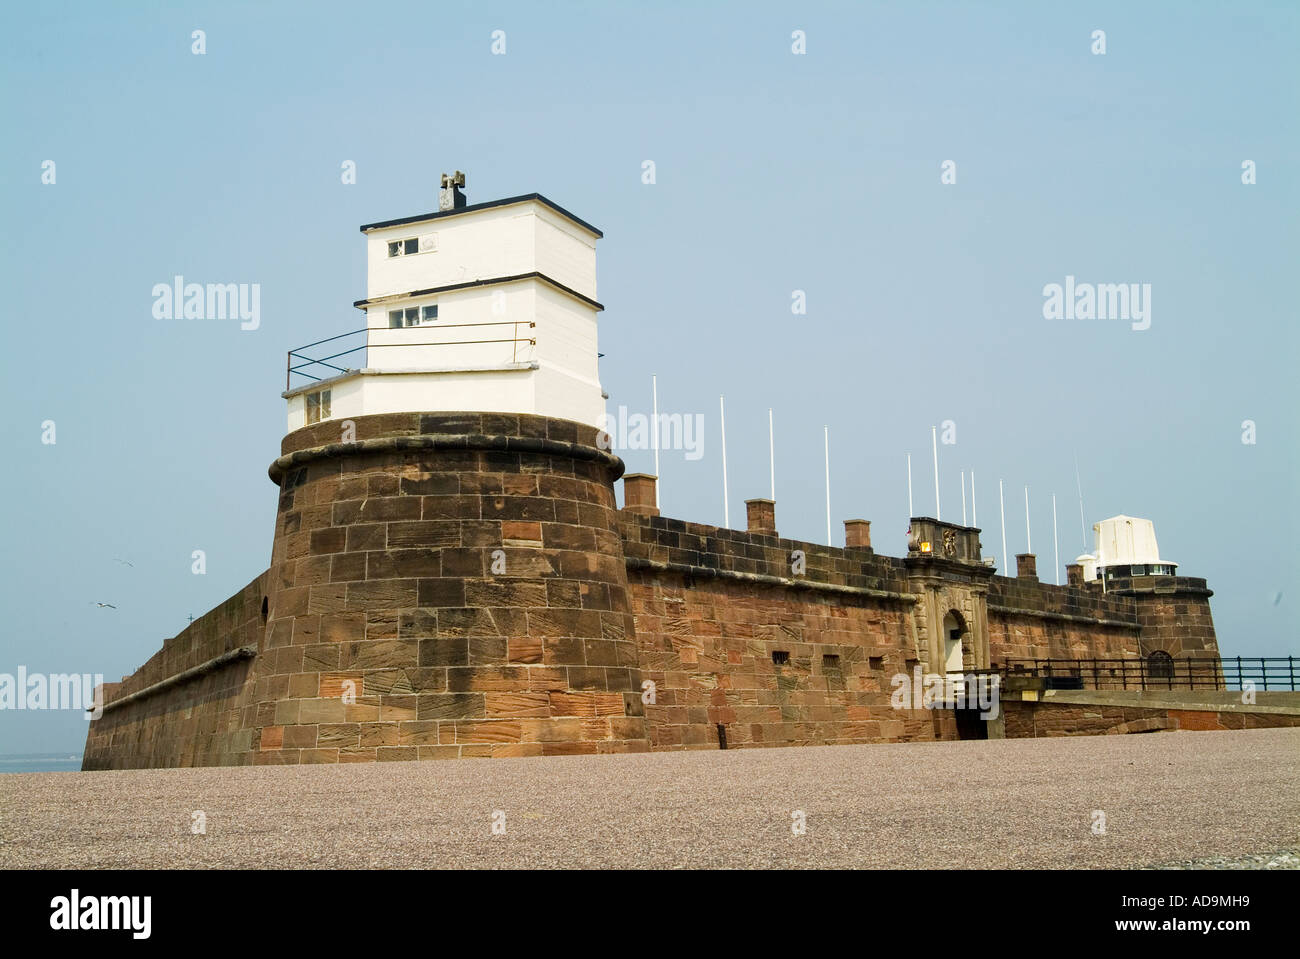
{"x":1166,"y":798}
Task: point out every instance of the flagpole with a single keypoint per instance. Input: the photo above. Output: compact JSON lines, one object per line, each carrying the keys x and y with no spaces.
{"x":1029,"y":543}
{"x":1006,"y":564}
{"x":1055,"y":546}
{"x":654,"y":385}
{"x":934,"y":443}
{"x":963,"y":497}
{"x":1083,"y":526}
{"x":771,"y":451}
{"x":910,"y":511}
{"x":974,"y":519}
{"x":827,"y":433}
{"x":726,"y":506}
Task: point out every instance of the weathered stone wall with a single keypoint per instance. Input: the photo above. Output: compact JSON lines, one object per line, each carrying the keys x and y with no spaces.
{"x":713,"y":607}
{"x":451,"y":585}
{"x":1028,"y":720}
{"x":462,"y":575}
{"x":199,"y":721}
{"x":1033,"y":620}
{"x":1174,"y":613}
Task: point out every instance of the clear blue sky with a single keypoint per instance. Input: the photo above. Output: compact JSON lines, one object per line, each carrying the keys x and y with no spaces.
{"x":775,"y":172}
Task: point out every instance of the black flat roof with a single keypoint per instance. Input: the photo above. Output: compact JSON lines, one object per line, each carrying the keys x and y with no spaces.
{"x":484,"y":206}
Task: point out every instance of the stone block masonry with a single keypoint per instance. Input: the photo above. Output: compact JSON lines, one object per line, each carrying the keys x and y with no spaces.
{"x":150,"y":720}
{"x":454,"y":585}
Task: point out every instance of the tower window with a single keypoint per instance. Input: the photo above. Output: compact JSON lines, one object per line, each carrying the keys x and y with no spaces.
{"x":413,"y":244}
{"x":780,"y":657}
{"x":318,"y":406}
{"x":412,"y":316}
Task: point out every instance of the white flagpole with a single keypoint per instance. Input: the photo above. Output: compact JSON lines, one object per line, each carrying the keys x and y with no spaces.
{"x":910,"y":511}
{"x":771,"y":450}
{"x":963,"y":497}
{"x":974,"y":519}
{"x":827,"y":432}
{"x":1083,"y":526}
{"x":1055,"y":546}
{"x":726,"y":505}
{"x":654,"y":385}
{"x":1029,"y":543}
{"x":1006,"y":563}
{"x":934,"y":442}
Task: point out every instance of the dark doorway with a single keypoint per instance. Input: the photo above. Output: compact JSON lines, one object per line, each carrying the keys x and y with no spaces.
{"x":970,"y":726}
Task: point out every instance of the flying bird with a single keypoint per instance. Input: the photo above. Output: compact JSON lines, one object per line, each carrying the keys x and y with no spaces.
{"x":124,"y":562}
{"x":106,"y":606}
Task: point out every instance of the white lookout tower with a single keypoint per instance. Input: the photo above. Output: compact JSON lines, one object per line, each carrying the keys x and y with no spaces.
{"x":489,"y":307}
{"x":1124,"y":546}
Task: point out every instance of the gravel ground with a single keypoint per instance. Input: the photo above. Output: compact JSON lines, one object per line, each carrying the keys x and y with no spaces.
{"x":1276,"y":860}
{"x":1179,"y":799}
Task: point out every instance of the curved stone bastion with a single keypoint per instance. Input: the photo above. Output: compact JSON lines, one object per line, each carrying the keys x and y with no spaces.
{"x":441,"y":585}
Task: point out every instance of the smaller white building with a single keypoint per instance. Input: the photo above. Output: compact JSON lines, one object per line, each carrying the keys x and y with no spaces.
{"x":488,"y":307}
{"x":1124,"y":546}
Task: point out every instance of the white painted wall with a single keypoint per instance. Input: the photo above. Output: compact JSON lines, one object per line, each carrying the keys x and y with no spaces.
{"x":500,"y":241}
{"x":508,"y":307}
{"x":1125,"y":540}
{"x":564,"y":251}
{"x":439,"y":367}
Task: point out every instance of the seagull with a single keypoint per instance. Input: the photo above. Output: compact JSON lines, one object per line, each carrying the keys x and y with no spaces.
{"x":124,"y":562}
{"x":106,"y":606}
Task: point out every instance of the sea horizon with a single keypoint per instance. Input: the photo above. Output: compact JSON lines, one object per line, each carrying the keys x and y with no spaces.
{"x":65,"y":761}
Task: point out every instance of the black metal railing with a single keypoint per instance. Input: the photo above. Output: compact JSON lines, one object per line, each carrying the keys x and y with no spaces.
{"x":1264,"y":672}
{"x":323,"y":367}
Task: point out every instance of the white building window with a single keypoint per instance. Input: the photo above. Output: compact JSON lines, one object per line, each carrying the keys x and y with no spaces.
{"x":412,"y":316}
{"x":318,"y":406}
{"x":411,"y":245}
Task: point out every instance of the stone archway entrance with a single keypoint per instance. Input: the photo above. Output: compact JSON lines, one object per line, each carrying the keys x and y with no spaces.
{"x":954,"y":629}
{"x":970,"y":725}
